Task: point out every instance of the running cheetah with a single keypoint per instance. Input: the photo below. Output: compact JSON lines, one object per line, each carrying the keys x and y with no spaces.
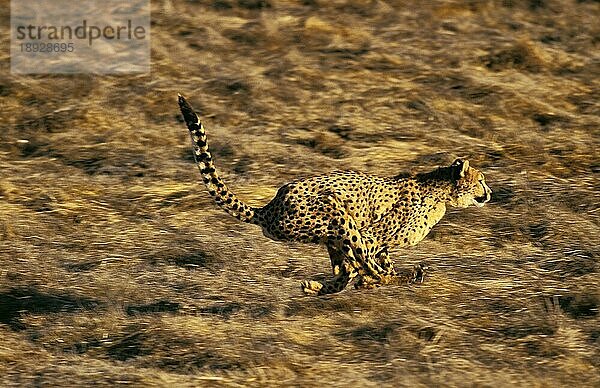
{"x":358,"y":217}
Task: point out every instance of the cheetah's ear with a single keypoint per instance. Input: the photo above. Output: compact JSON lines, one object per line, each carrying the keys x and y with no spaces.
{"x":459,"y":168}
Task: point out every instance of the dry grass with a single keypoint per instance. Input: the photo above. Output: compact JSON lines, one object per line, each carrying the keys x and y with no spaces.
{"x":115,"y":266}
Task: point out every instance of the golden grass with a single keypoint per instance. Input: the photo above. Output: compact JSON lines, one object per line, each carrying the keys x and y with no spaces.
{"x":117,"y":268}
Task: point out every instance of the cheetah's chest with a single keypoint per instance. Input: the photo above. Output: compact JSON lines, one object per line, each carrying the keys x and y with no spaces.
{"x":425,"y":215}
{"x":410,"y":221}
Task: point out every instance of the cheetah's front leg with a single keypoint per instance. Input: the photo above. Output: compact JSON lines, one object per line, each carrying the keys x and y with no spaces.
{"x":387,"y":264}
{"x":337,"y":258}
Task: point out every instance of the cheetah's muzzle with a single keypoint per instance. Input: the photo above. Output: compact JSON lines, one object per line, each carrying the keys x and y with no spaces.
{"x":485,"y":198}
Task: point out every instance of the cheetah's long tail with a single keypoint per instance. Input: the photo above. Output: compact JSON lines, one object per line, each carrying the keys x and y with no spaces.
{"x":215,"y":185}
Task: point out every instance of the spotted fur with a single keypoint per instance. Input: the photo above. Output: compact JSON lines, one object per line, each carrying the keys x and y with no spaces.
{"x":357,"y":216}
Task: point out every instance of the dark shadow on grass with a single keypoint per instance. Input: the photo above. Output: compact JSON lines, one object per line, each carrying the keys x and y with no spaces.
{"x":83,"y":346}
{"x":197,"y":258}
{"x":258,"y":311}
{"x":128,"y":347}
{"x":362,"y":334}
{"x":162,"y":306}
{"x":576,"y":262}
{"x":191,"y":362}
{"x":580,"y":306}
{"x":82,"y":267}
{"x":517,"y":331}
{"x":323,"y":305}
{"x":21,"y":301}
{"x":223,"y":310}
{"x":172,"y":354}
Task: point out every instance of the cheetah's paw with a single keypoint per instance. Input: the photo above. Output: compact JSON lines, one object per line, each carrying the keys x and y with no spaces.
{"x":311,"y":287}
{"x":418,"y":274}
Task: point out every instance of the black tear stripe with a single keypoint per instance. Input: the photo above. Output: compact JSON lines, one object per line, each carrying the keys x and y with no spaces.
{"x":215,"y":185}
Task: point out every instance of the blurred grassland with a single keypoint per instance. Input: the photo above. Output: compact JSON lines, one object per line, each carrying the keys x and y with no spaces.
{"x":116,"y":267}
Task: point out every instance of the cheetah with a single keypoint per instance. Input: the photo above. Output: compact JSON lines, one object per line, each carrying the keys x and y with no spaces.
{"x":358,"y":217}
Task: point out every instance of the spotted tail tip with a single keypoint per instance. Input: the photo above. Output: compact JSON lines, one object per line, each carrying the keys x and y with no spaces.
{"x":187,"y":111}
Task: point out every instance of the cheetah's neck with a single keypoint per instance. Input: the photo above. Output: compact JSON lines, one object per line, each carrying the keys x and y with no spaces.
{"x":440,"y":190}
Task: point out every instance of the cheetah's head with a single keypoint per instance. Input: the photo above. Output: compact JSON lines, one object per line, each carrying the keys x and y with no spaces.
{"x":470,"y":187}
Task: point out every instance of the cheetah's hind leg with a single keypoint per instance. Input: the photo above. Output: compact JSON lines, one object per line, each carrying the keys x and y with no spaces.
{"x":350,"y":254}
{"x":333,"y":285}
{"x":342,"y":274}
